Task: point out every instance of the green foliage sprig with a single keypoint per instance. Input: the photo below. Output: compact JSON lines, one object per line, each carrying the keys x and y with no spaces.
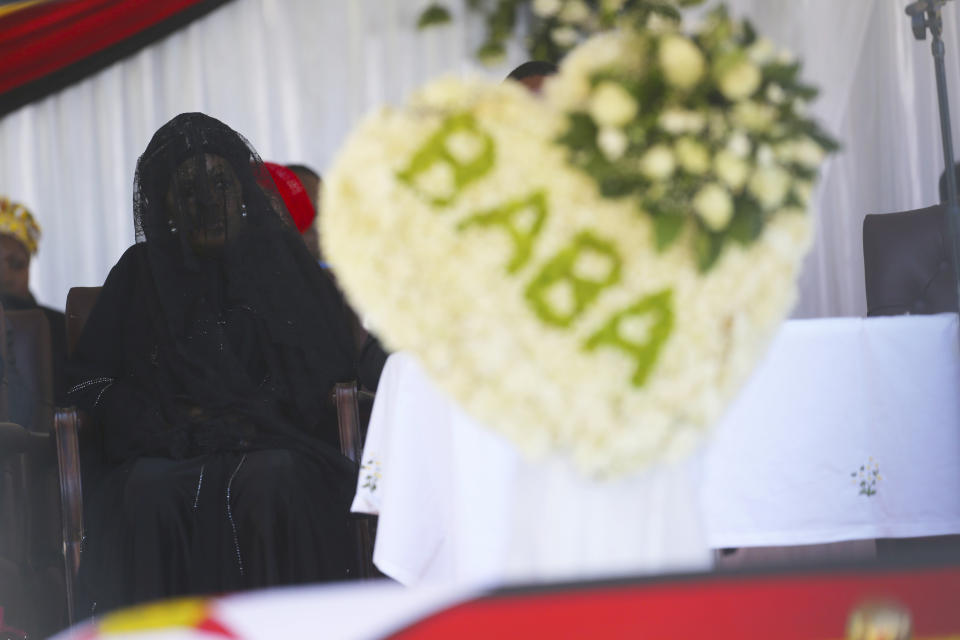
{"x":552,"y":27}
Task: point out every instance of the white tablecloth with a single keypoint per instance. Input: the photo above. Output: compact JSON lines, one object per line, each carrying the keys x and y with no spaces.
{"x":458,"y":503}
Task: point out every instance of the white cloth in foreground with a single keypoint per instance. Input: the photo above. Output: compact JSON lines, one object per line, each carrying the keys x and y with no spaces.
{"x":458,"y":503}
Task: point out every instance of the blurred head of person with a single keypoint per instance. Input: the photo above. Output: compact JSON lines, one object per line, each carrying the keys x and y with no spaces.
{"x":532,"y":74}
{"x":312,"y":183}
{"x":298,"y":186}
{"x":19,"y":238}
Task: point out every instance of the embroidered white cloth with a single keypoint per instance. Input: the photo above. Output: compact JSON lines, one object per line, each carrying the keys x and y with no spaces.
{"x":458,"y":503}
{"x":850,"y":429}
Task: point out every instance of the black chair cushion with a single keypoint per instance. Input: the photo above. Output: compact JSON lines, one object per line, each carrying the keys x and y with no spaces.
{"x":908,"y":263}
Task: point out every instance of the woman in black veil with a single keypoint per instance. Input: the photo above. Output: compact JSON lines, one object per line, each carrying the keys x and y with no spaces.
{"x":206,"y":363}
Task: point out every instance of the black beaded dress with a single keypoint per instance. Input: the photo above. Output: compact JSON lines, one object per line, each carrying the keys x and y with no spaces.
{"x":207,"y":363}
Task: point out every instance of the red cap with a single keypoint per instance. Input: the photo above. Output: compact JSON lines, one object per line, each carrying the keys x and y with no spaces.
{"x":293,"y":194}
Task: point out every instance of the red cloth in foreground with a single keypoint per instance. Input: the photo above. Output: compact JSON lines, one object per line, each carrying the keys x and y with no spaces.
{"x":802,"y":606}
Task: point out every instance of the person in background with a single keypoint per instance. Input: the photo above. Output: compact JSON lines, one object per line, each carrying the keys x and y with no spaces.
{"x":19,"y":241}
{"x":299,"y":187}
{"x":300,"y":200}
{"x":312,"y":183}
{"x":532,"y":74}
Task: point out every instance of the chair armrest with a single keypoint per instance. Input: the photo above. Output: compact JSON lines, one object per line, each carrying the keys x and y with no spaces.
{"x":344,"y":398}
{"x":15,"y":439}
{"x":66,"y":424}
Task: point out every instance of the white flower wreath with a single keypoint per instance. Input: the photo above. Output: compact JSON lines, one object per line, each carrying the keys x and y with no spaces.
{"x":459,"y":229}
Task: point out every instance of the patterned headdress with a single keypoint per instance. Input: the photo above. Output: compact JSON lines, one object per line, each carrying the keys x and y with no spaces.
{"x":17,"y":221}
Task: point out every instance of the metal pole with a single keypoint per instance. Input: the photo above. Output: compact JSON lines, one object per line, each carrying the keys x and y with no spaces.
{"x":935,"y":23}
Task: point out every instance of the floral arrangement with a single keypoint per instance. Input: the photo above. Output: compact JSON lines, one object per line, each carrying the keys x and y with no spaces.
{"x":594,"y":272}
{"x":706,"y":134}
{"x":467,"y":231}
{"x":554,"y":27}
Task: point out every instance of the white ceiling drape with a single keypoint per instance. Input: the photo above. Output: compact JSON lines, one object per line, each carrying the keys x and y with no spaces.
{"x":294,"y":76}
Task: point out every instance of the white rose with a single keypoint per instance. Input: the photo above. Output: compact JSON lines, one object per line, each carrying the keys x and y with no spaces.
{"x":753,"y":115}
{"x":660,"y":24}
{"x":739,"y":144}
{"x":718,"y":126}
{"x":714,"y":206}
{"x":564,"y":36}
{"x":692,"y":156}
{"x":785,"y":57}
{"x":739,"y":79}
{"x":731,"y":169}
{"x":776,"y":94}
{"x":575,"y":11}
{"x":658,"y":163}
{"x":785,"y":152}
{"x":612,"y":142}
{"x":808,"y":153}
{"x":611,"y":105}
{"x":681,"y":61}
{"x":546,"y":8}
{"x":678,"y":121}
{"x":765,"y":157}
{"x":769,"y":185}
{"x":762,"y":51}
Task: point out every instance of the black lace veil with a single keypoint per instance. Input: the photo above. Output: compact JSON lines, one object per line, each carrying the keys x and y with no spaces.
{"x":243,"y":335}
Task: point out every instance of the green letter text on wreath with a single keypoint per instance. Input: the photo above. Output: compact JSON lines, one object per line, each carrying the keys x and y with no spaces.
{"x":522,"y":218}
{"x":563,"y":269}
{"x":644,"y":352}
{"x":441,"y":153}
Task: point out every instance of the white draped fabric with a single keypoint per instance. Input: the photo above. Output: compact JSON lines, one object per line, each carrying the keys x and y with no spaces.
{"x":295,"y":75}
{"x":846,"y":431}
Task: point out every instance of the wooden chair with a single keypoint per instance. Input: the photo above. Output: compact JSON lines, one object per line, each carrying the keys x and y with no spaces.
{"x":351,"y":403}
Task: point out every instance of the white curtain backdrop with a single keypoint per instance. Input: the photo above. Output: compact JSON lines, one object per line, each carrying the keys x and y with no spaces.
{"x":294,"y":76}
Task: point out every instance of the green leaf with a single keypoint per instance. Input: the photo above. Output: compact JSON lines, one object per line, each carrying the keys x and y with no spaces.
{"x":667,"y":228}
{"x":434,"y":15}
{"x":747,"y":223}
{"x":582,"y":132}
{"x":783,"y":74}
{"x":707,"y":247}
{"x":617,"y":185}
{"x":805,"y":91}
{"x":749,"y":33}
{"x":491,"y":53}
{"x":824,"y":139}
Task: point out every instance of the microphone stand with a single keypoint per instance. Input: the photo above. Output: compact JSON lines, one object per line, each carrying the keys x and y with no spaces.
{"x":925,"y":14}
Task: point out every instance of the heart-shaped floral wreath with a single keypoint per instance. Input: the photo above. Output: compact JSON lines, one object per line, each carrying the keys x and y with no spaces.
{"x":596,"y":272}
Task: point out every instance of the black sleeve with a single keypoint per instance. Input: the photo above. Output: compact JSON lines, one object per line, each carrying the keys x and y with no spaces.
{"x":372,"y":359}
{"x":127,"y":421}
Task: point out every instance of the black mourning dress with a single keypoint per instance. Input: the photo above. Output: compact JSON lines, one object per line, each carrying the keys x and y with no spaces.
{"x":207,"y":364}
